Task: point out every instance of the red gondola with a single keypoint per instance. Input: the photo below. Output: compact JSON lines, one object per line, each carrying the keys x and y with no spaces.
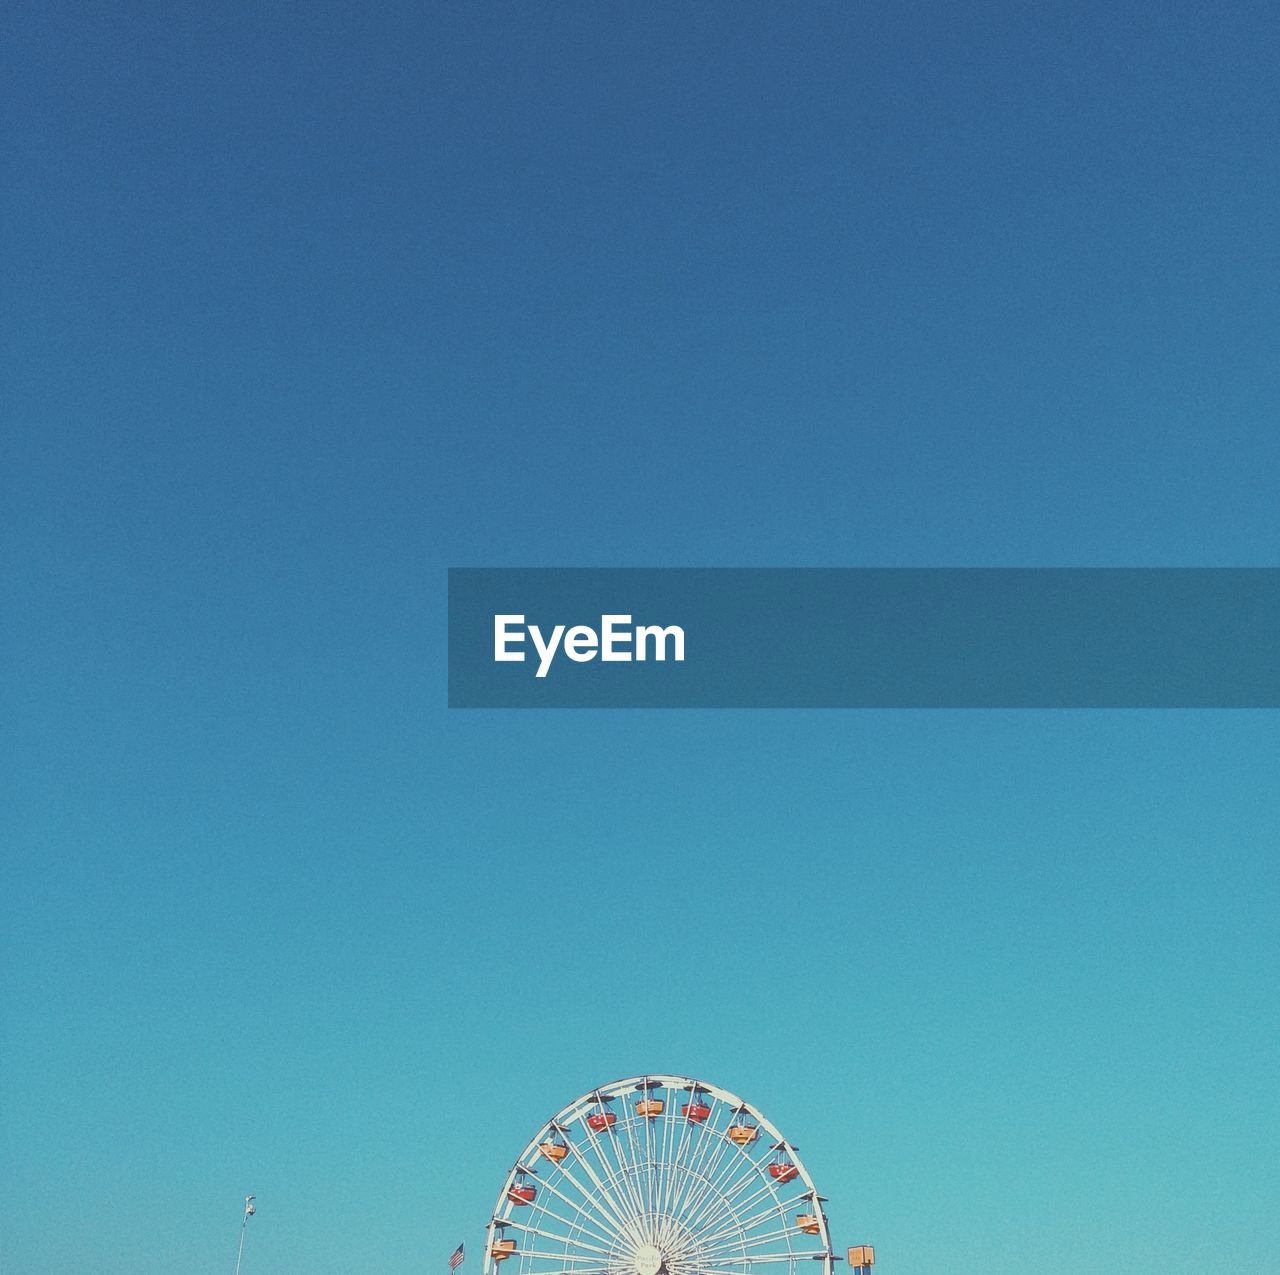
{"x":599,"y":1121}
{"x":781,"y":1169}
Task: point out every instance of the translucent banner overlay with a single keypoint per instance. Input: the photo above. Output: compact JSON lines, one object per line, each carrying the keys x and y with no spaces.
{"x":864,"y":638}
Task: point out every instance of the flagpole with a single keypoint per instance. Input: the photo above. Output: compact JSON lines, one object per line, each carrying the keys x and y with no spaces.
{"x":249,"y":1211}
{"x":244,"y":1226}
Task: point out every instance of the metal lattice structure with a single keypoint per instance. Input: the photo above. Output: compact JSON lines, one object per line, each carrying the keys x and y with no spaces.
{"x":658,"y":1175}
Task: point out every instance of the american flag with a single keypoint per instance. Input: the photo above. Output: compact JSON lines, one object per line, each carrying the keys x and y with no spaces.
{"x":456,"y":1260}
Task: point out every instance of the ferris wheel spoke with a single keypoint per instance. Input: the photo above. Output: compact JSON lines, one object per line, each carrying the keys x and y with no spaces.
{"x":714,"y":1143}
{"x":726,"y":1156}
{"x":606,"y":1202}
{"x":658,"y":1166}
{"x":637,"y":1170}
{"x":627,"y":1151}
{"x":737,"y":1233}
{"x":618,"y":1194}
{"x":703,"y":1200}
{"x":653,"y":1176}
{"x":577,"y":1206}
{"x":657,"y":1153}
{"x":552,"y":1184}
{"x":767,"y":1237}
{"x":638,"y":1147}
{"x":671,"y":1133}
{"x":685,"y":1126}
{"x":545,"y":1184}
{"x":610,"y":1188}
{"x":571,"y":1224}
{"x":681,"y":1169}
{"x":673,"y":1180}
{"x":637,"y":1154}
{"x":556,"y":1259}
{"x":655,"y":1144}
{"x":558,"y":1255}
{"x":631,"y":1201}
{"x":644,"y":1154}
{"x":726,"y":1190}
{"x":656,"y":1141}
{"x":559,"y":1239}
{"x":740,"y":1168}
{"x":562,"y":1252}
{"x":696,"y":1187}
{"x":685,"y":1267}
{"x":761,"y":1259}
{"x":693,"y":1147}
{"x":598,"y":1270}
{"x":746,"y":1226}
{"x":679,"y":1267}
{"x":624,"y":1174}
{"x":729,"y":1206}
{"x":727,"y":1216}
{"x":706,"y":1144}
{"x":736,"y":1242}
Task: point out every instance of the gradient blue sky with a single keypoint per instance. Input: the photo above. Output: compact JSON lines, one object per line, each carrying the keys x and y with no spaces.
{"x":304,"y":303}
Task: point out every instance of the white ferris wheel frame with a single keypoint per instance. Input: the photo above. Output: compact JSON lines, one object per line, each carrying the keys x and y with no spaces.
{"x":614,"y":1214}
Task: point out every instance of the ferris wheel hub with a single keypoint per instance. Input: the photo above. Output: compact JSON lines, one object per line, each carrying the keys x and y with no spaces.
{"x":648,"y":1260}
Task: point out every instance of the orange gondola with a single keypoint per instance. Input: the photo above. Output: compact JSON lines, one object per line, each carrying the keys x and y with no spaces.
{"x":502,"y":1249}
{"x":649,"y":1107}
{"x":554,"y":1149}
{"x":743,"y":1131}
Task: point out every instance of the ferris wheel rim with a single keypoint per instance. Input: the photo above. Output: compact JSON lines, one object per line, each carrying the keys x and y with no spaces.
{"x":591,"y":1241}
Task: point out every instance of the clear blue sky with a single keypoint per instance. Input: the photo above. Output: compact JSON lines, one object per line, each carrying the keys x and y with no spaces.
{"x":305,"y":303}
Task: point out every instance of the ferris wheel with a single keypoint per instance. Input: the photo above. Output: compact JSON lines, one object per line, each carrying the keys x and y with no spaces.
{"x":658,"y":1175}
